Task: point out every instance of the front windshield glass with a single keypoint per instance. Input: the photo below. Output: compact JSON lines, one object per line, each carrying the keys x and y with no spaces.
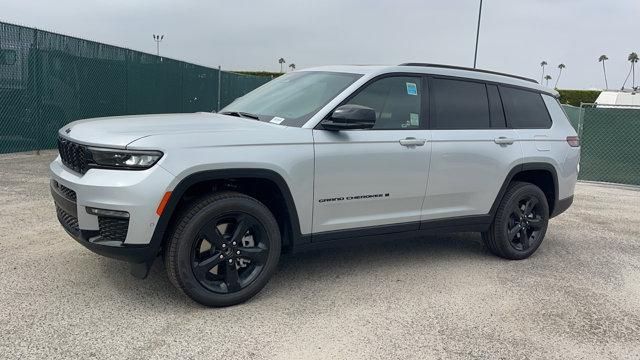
{"x":291,"y":99}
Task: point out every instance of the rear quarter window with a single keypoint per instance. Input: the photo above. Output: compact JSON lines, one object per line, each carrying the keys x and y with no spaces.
{"x":524,"y":109}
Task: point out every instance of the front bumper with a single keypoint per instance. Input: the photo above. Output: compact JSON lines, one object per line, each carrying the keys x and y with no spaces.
{"x":137,"y":193}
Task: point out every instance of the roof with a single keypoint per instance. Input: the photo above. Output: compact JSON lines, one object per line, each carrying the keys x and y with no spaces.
{"x":437,"y":69}
{"x":618,"y":98}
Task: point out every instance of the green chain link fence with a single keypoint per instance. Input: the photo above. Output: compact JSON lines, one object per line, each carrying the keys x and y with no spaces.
{"x":48,"y":80}
{"x":610,"y":142}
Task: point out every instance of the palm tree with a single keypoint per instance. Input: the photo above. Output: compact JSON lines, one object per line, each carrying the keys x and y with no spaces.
{"x":602,"y":59}
{"x":281,"y":61}
{"x":543,"y":64}
{"x":633,"y":58}
{"x":292,"y":66}
{"x":560,"y":67}
{"x":547,"y":77}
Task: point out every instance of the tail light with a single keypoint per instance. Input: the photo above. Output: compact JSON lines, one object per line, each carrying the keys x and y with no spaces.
{"x":573,"y":141}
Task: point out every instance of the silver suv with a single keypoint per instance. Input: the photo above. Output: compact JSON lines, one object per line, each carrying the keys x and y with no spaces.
{"x":318,"y":157}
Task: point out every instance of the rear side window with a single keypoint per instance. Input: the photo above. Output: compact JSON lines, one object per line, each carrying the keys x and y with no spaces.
{"x":524,"y":109}
{"x":459,"y":104}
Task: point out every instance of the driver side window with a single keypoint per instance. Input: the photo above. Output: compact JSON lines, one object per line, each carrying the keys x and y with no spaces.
{"x":396,"y":101}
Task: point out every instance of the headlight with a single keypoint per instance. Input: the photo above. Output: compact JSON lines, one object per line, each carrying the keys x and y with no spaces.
{"x":123,"y":159}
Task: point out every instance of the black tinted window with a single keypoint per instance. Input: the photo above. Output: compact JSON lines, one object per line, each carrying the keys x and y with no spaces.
{"x":396,"y":101}
{"x":495,"y":107}
{"x":524,"y":109}
{"x":460,"y":104}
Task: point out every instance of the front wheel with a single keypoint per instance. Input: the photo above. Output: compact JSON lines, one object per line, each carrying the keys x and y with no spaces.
{"x":520,"y":222}
{"x":224,"y":249}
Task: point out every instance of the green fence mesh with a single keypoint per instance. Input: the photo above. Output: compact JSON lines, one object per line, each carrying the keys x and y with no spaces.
{"x":48,"y":80}
{"x":610,"y":140}
{"x":573,"y":113}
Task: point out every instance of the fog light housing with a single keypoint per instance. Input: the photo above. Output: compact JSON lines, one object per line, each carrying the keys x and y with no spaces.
{"x":107,"y":213}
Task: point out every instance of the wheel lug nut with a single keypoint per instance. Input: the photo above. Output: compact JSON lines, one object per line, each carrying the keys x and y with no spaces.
{"x":238,"y":252}
{"x":230,"y":261}
{"x":234,"y":243}
{"x":221,"y":256}
{"x":224,"y":245}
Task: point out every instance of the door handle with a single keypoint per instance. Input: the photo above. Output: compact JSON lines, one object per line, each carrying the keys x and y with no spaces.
{"x":503,"y":141}
{"x":411,"y":141}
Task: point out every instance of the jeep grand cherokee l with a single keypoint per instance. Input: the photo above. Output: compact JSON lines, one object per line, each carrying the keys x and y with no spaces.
{"x":317,"y":157}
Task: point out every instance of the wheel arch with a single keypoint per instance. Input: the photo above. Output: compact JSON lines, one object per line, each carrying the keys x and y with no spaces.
{"x":541,"y":174}
{"x":228,"y":178}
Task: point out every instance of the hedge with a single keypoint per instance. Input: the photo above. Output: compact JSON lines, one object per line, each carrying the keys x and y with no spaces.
{"x":576,"y":97}
{"x":260,"y":73}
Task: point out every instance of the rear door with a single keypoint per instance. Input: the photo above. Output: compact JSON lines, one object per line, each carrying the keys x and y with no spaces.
{"x":472,"y":148}
{"x":376,"y":177}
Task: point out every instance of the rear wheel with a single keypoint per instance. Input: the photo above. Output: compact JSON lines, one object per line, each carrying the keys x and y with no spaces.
{"x":224,"y":249}
{"x":520,"y":222}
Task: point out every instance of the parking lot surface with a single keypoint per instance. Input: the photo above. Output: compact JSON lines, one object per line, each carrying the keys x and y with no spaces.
{"x":440,"y":297}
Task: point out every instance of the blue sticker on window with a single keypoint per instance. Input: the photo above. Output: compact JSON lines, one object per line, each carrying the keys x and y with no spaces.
{"x":412,"y":89}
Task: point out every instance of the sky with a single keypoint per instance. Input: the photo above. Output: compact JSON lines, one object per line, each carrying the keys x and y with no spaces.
{"x":515,"y":35}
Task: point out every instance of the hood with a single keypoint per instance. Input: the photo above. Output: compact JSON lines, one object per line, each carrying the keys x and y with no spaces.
{"x":119,"y":131}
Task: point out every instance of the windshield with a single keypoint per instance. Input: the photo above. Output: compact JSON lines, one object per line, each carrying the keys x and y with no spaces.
{"x":291,"y":99}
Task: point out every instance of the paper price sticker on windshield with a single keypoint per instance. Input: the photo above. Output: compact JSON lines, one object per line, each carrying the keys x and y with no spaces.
{"x":412,"y":89}
{"x":414,"y":119}
{"x":277,"y":120}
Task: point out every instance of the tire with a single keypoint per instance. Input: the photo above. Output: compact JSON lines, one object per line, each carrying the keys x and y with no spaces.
{"x":520,"y":222}
{"x":240,"y":233}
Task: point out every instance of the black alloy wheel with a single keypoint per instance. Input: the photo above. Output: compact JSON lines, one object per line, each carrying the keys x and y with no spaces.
{"x":223,"y":249}
{"x":520,"y":222}
{"x":525,"y":223}
{"x":229,"y":252}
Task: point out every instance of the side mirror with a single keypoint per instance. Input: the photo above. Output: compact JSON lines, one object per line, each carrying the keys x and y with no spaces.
{"x":350,"y":117}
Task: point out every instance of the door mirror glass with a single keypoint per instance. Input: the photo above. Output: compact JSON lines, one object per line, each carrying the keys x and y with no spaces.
{"x":349,"y":117}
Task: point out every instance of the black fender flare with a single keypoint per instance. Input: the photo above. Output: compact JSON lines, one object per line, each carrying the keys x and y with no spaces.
{"x":206,"y":175}
{"x":526,"y":167}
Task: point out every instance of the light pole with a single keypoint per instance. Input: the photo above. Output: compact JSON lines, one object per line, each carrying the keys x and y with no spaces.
{"x":475,"y":55}
{"x":158,"y":39}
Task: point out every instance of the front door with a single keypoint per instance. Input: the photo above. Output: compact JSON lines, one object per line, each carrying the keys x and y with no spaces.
{"x":377,"y":177}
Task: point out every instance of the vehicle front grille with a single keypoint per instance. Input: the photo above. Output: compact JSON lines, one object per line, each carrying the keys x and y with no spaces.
{"x":113,"y":229}
{"x":66,"y":192}
{"x":73,"y":155}
{"x":68,"y":221}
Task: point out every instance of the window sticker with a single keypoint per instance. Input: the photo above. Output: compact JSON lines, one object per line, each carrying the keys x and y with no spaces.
{"x":276,"y":120}
{"x":414,"y":119}
{"x":412,"y":89}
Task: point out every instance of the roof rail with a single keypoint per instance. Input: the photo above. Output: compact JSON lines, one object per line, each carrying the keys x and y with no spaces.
{"x":468,"y":69}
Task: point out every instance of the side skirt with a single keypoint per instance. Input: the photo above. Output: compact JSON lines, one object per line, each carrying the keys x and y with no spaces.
{"x":381,"y":233}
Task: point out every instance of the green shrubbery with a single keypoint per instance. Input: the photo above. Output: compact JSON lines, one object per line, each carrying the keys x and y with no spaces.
{"x":576,"y":97}
{"x":259,"y":73}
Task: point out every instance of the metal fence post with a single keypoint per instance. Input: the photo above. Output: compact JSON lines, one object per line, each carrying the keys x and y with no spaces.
{"x":219,"y":82}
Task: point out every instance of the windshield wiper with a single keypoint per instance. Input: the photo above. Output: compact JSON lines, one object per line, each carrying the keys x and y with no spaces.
{"x":241,"y":114}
